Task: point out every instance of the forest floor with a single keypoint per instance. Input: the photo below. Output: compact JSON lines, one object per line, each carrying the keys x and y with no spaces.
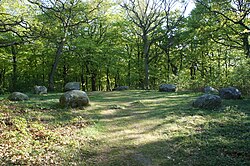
{"x":130,"y":128}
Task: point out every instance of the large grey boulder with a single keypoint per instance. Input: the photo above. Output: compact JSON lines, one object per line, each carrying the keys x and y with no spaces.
{"x":18,"y":96}
{"x":72,"y":86}
{"x":230,"y":93}
{"x":74,"y":98}
{"x":207,"y":101}
{"x":40,"y":89}
{"x":167,"y":88}
{"x":121,"y":88}
{"x":210,"y":90}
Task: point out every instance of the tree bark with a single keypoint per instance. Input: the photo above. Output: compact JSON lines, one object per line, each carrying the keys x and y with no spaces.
{"x":246,"y":44}
{"x":219,"y":64}
{"x":14,"y":70}
{"x":65,"y":73}
{"x":129,"y":66}
{"x":226,"y":67}
{"x":139,"y":67}
{"x":193,"y":71}
{"x":93,"y":81}
{"x":146,"y":46}
{"x":168,"y":63}
{"x":82,"y":78}
{"x":108,"y":81}
{"x":2,"y":78}
{"x":55,"y":64}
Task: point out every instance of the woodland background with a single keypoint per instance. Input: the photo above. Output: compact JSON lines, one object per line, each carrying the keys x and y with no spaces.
{"x":139,"y":43}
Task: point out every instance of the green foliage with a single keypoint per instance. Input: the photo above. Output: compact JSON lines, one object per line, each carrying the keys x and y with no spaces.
{"x":104,"y":49}
{"x":240,"y":77}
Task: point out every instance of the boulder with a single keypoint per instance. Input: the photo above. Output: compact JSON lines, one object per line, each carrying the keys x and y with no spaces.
{"x":74,"y":98}
{"x":72,"y":86}
{"x":18,"y":96}
{"x":210,"y":90}
{"x":230,"y":93}
{"x":208,"y":101}
{"x":40,"y":89}
{"x":167,"y":88}
{"x":121,"y":88}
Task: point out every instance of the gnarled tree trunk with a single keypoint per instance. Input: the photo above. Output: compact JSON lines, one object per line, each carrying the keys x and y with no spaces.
{"x":55,"y":64}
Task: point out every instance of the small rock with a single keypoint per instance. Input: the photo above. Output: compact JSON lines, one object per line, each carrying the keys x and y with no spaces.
{"x":74,"y":98}
{"x":121,"y":88}
{"x":210,"y":90}
{"x":116,"y":107}
{"x":230,"y":93}
{"x":208,"y":101}
{"x":72,"y":86}
{"x":40,"y":89}
{"x":18,"y":96}
{"x":167,"y":88}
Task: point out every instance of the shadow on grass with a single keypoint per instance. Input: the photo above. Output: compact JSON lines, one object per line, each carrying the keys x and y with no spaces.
{"x":220,"y":138}
{"x":220,"y":145}
{"x":212,"y":143}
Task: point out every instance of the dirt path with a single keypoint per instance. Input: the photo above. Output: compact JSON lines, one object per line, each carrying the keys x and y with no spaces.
{"x":127,"y":128}
{"x":135,"y":128}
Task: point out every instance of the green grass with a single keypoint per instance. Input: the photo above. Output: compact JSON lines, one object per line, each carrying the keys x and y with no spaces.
{"x":124,"y":128}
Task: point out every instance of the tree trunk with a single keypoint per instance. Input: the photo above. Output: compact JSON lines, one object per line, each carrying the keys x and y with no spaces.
{"x":4,"y":72}
{"x":193,"y":71}
{"x":14,"y":70}
{"x":65,"y":73}
{"x":129,"y":66}
{"x":174,"y":69}
{"x":55,"y":64}
{"x":219,"y":64}
{"x":44,"y":73}
{"x":93,"y":81}
{"x":100,"y":81}
{"x":129,"y":73}
{"x":117,"y":79}
{"x":1,"y":78}
{"x":108,"y":81}
{"x":168,"y":63}
{"x":246,"y":45}
{"x":211,"y":71}
{"x":202,"y":64}
{"x":87,"y":77}
{"x":82,"y":78}
{"x":226,"y":67}
{"x":147,"y":73}
{"x":146,"y":46}
{"x":139,"y":67}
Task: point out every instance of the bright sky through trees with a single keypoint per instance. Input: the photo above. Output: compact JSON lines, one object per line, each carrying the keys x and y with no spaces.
{"x":190,"y":7}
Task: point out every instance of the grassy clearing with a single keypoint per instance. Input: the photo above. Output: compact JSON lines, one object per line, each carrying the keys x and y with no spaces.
{"x":124,"y":128}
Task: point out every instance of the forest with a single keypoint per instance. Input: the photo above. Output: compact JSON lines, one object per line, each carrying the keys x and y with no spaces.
{"x":125,"y":82}
{"x":138,"y":43}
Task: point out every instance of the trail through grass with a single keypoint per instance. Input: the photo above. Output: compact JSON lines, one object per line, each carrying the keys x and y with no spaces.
{"x":125,"y":128}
